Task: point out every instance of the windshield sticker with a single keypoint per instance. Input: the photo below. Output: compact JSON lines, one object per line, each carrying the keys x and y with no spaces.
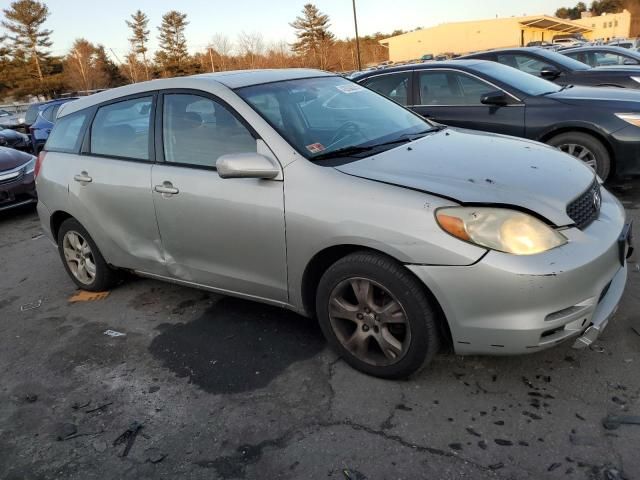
{"x":349,"y":88}
{"x":315,"y":147}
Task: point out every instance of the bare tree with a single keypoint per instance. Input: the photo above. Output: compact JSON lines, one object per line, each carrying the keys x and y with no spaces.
{"x":251,"y":47}
{"x":223,"y":47}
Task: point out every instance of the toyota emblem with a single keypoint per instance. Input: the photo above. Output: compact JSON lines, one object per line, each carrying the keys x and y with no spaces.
{"x":597,"y":200}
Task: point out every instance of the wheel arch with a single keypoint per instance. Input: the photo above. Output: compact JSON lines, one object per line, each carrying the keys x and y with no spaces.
{"x":323,"y":259}
{"x":57,"y":218}
{"x":598,"y":135}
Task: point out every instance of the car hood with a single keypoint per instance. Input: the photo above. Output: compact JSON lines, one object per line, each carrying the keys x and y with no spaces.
{"x":595,"y":96}
{"x":479,"y":168}
{"x":10,"y":158}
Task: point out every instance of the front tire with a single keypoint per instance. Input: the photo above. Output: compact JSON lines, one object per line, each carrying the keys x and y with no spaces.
{"x":587,"y":148}
{"x":82,"y":259}
{"x":377,"y":316}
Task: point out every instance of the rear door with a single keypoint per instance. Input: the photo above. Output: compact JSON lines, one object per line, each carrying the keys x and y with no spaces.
{"x":452,"y":97}
{"x":110,"y":184}
{"x":227,"y":234}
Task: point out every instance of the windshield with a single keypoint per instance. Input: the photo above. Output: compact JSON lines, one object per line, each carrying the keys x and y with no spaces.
{"x":528,"y":84}
{"x":322,"y":115}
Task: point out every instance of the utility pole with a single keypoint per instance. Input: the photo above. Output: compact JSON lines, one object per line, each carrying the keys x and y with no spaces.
{"x":211,"y":60}
{"x":355,"y":22}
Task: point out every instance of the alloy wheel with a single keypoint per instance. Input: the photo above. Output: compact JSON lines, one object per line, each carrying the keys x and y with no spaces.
{"x":369,"y":321}
{"x":581,"y":153}
{"x":79,"y":258}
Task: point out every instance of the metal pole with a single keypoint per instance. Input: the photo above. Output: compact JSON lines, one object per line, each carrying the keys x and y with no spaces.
{"x":355,"y":22}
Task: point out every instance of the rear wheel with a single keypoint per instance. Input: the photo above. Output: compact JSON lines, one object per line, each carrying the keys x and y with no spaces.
{"x":82,"y":259}
{"x":587,"y":148}
{"x":377,"y":316}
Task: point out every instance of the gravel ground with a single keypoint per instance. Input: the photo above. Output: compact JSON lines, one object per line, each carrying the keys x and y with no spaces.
{"x":204,"y":387}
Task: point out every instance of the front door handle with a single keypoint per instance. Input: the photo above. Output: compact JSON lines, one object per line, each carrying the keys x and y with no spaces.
{"x":83,"y":177}
{"x":166,"y":188}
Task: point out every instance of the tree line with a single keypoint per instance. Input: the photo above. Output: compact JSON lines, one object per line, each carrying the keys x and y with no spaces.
{"x":598,"y":7}
{"x":28,"y":68}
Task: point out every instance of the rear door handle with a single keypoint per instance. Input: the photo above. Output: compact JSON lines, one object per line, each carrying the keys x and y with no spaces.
{"x":166,"y":188}
{"x":83,"y":177}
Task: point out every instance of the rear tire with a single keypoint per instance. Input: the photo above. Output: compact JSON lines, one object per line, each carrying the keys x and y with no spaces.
{"x":579,"y":143}
{"x":377,"y":316}
{"x":82,"y":258}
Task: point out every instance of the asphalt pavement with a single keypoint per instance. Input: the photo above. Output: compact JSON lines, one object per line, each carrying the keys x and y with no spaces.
{"x":159,"y":381}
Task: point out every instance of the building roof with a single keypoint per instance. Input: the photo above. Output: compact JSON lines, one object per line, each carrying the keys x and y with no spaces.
{"x":555,"y":24}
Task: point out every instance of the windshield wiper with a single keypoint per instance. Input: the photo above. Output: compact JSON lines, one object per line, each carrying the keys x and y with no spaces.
{"x":342,"y":152}
{"x":355,"y":150}
{"x":565,"y":87}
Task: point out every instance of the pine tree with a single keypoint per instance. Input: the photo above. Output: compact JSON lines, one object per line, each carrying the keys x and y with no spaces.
{"x":314,"y":37}
{"x":173,"y":53}
{"x":111,"y":71}
{"x":24,"y":19}
{"x":140,"y":37}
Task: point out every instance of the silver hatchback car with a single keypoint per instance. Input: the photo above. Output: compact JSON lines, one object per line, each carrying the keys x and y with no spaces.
{"x":302,"y":189}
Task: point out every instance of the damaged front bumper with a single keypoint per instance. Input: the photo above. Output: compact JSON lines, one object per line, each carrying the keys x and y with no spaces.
{"x":506,"y":304}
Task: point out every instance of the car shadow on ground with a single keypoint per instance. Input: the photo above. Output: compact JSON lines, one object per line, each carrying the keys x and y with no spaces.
{"x":236,"y":345}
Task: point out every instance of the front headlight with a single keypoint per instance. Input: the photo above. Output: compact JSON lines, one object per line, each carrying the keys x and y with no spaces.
{"x":507,"y":231}
{"x":632,"y":118}
{"x":636,"y":79}
{"x":30,"y":166}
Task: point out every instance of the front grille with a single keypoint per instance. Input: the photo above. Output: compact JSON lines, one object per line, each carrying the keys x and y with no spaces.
{"x":586,"y":208}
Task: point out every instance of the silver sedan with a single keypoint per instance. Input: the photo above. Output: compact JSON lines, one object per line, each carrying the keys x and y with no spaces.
{"x":301,"y":189}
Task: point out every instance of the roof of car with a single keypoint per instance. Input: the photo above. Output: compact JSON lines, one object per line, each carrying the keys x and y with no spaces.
{"x":230,"y":79}
{"x":456,"y":63}
{"x":608,"y":48}
{"x":513,"y":49}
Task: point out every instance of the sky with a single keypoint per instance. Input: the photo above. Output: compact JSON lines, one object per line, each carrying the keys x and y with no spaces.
{"x":104,"y":21}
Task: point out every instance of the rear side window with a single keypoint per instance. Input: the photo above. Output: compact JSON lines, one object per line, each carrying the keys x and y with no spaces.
{"x":394,"y":86}
{"x":67,"y":132}
{"x":32,"y":113}
{"x":122,"y":129}
{"x":49,"y":113}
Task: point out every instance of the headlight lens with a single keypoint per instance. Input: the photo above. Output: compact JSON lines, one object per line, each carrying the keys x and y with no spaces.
{"x":632,"y":118}
{"x":499,"y":229}
{"x":636,"y":79}
{"x":30,"y":166}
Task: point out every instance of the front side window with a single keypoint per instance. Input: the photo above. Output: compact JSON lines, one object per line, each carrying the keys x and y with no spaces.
{"x":122,"y":129}
{"x":451,"y":88}
{"x":523,"y":63}
{"x":394,"y":86}
{"x":65,"y":136}
{"x":328,"y":115}
{"x":197,"y":130}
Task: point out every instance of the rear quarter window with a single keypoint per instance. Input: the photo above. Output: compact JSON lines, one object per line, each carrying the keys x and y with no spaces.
{"x":66,"y":135}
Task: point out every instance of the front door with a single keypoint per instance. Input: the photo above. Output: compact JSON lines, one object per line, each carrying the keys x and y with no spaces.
{"x":452,"y":97}
{"x":227,"y":234}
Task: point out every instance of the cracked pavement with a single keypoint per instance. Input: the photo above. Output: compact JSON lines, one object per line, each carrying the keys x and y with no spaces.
{"x":227,"y":389}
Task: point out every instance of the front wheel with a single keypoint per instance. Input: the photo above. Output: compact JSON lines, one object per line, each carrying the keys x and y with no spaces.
{"x":377,"y":316}
{"x":586,"y":148}
{"x":82,"y":259}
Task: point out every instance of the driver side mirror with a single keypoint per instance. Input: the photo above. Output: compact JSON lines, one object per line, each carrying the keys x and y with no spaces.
{"x":549,"y":72}
{"x":246,"y":165}
{"x":630,"y":61}
{"x":497,"y":98}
